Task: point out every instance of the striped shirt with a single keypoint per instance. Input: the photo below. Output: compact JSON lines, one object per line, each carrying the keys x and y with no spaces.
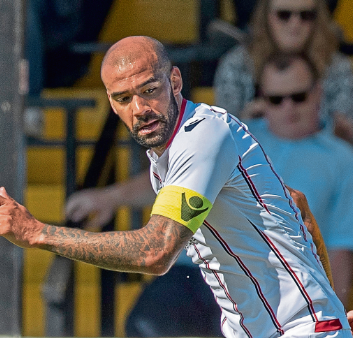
{"x":253,"y":249}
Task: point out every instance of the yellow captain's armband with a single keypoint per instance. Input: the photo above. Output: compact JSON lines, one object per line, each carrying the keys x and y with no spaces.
{"x":182,"y":205}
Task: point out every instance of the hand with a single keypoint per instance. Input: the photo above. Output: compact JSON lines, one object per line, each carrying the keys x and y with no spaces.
{"x":96,"y":202}
{"x":16,"y":223}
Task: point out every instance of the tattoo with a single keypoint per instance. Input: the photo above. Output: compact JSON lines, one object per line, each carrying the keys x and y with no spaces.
{"x":150,"y":249}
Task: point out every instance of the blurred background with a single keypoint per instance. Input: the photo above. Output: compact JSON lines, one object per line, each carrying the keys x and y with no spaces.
{"x":73,"y":141}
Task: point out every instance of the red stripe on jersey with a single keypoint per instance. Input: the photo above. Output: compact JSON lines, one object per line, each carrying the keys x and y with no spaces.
{"x":226,"y":293}
{"x":270,"y":164}
{"x":328,"y":325}
{"x":181,"y":114}
{"x":249,"y":274}
{"x":252,"y":185}
{"x":292,"y":273}
{"x":157,"y":177}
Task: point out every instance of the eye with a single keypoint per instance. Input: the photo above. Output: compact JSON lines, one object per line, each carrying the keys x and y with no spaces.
{"x":123,"y":99}
{"x":150,"y":90}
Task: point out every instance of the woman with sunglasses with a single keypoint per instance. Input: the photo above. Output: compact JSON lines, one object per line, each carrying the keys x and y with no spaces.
{"x":301,"y":26}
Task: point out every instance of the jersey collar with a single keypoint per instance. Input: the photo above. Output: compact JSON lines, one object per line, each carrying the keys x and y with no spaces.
{"x":180,"y":118}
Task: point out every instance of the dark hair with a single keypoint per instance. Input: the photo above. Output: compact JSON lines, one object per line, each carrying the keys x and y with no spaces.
{"x":320,"y":47}
{"x":282,"y":62}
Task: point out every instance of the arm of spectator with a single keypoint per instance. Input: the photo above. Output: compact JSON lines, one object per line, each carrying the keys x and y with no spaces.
{"x":338,"y":90}
{"x":341,"y":262}
{"x":312,"y":226}
{"x":101,"y":203}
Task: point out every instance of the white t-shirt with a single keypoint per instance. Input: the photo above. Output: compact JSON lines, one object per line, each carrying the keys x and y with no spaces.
{"x":253,"y":248}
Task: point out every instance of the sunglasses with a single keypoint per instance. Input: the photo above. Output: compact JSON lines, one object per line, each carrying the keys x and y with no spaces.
{"x":305,"y":15}
{"x":296,"y":98}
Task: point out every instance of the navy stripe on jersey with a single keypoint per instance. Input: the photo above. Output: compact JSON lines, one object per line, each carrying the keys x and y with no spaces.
{"x":251,"y":277}
{"x":235,"y":306}
{"x":290,"y":201}
{"x":157,"y":177}
{"x":251,"y":185}
{"x":287,"y":266}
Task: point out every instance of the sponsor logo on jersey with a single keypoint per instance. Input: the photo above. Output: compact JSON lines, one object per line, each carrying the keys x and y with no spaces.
{"x":192,"y":125}
{"x":191,"y":209}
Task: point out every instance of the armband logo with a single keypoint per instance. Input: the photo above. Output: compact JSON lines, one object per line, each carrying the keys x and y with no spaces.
{"x":191,"y":209}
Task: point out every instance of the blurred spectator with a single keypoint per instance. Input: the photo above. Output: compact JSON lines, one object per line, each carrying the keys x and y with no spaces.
{"x":244,"y":9}
{"x":307,"y":156}
{"x":177,"y":304}
{"x":287,"y":26}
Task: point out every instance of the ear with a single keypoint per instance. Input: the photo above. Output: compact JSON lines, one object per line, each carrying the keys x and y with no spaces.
{"x":176,"y":80}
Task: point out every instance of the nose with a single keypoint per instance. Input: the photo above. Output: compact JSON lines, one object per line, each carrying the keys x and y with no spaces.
{"x":287,"y":104}
{"x":140,"y":106}
{"x":295,"y":20}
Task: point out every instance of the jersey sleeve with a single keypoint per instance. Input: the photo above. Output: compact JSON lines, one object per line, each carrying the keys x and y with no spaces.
{"x":201,"y":160}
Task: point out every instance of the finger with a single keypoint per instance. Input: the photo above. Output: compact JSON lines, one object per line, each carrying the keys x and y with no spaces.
{"x":4,"y":193}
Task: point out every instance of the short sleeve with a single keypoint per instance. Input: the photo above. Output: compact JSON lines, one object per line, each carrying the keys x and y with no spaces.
{"x":202,"y":158}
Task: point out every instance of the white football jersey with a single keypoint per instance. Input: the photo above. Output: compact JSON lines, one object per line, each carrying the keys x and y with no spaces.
{"x":253,"y":248}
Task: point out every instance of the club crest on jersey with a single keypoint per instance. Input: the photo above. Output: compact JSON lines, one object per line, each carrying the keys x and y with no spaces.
{"x":193,"y":124}
{"x":191,"y":209}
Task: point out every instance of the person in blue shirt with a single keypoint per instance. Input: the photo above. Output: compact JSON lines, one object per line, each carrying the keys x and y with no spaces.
{"x":307,"y":155}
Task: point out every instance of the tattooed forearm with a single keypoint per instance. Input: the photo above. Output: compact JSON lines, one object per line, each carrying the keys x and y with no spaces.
{"x":151,"y":249}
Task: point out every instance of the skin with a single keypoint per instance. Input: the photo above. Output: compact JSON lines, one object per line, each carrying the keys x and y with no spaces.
{"x":291,"y":120}
{"x":293,"y":35}
{"x":127,"y":72}
{"x":141,"y":93}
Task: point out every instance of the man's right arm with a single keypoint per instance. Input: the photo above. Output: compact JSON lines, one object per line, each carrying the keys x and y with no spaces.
{"x":152,"y":249}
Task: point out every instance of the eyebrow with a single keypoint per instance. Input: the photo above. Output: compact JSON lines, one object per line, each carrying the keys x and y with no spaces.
{"x":150,"y":80}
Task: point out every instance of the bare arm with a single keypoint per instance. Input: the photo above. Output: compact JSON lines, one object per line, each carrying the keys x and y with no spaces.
{"x":312,"y":226}
{"x":151,"y":249}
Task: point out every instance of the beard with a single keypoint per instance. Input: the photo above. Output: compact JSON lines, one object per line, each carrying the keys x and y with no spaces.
{"x":167,"y":125}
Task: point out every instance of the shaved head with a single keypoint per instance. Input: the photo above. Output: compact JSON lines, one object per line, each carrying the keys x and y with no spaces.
{"x":143,"y":89}
{"x":127,"y":51}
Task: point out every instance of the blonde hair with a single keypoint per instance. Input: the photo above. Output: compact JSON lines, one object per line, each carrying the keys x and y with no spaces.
{"x":320,"y":47}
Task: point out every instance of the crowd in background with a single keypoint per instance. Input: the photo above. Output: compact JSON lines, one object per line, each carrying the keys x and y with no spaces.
{"x":293,"y":88}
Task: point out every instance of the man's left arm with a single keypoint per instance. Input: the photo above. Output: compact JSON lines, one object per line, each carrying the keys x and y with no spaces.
{"x":313,"y":228}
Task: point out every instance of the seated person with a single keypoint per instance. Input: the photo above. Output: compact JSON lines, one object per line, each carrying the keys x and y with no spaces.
{"x":302,"y":26}
{"x":307,"y":156}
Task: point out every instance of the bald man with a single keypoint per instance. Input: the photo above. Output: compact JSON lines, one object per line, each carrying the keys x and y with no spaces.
{"x":218,"y":197}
